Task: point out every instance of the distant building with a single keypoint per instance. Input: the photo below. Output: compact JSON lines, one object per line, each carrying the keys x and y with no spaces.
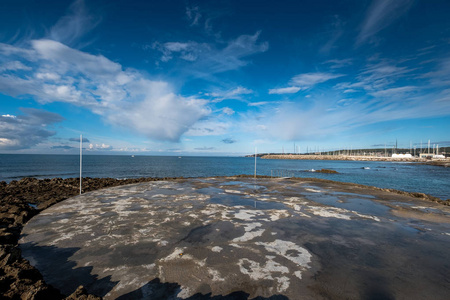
{"x":401,"y":155}
{"x":431,"y":155}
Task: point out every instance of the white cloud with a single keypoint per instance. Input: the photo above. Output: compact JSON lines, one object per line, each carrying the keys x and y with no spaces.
{"x":99,"y":147}
{"x":397,"y":91}
{"x":308,"y":80}
{"x":327,"y":117}
{"x":260,"y":103}
{"x":13,"y":66}
{"x":48,"y":76}
{"x":9,"y":116}
{"x":74,"y":25}
{"x":123,"y":97}
{"x":337,"y":30}
{"x":304,"y":81}
{"x":286,"y":90}
{"x":208,"y":59}
{"x":27,"y":130}
{"x":228,"y":111}
{"x":440,"y":76}
{"x":209,"y":128}
{"x":193,"y":14}
{"x":232,"y":94}
{"x":376,"y":77}
{"x":380,"y":15}
{"x":188,"y":51}
{"x":339,"y":63}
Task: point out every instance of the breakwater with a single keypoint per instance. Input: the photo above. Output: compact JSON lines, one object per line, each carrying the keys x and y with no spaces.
{"x":348,"y":158}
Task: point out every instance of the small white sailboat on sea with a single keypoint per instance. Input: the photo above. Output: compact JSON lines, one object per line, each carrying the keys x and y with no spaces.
{"x":132,"y":155}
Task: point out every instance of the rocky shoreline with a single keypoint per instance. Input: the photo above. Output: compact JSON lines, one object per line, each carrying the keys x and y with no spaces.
{"x":20,"y":201}
{"x":23,"y":199}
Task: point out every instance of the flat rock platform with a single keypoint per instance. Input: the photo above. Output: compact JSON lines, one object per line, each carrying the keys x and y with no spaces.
{"x":243,"y":238}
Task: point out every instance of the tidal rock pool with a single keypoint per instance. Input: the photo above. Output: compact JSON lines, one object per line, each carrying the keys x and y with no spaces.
{"x":242,"y":238}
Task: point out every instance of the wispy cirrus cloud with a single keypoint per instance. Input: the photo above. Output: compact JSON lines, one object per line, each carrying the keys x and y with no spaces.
{"x":338,"y":63}
{"x":210,"y":58}
{"x":308,"y":80}
{"x":188,"y":51}
{"x":381,"y":14}
{"x":286,"y":90}
{"x":231,"y":94}
{"x":394,"y":92}
{"x":259,"y":103}
{"x":377,"y":77}
{"x":337,"y":30}
{"x":304,"y":81}
{"x":441,"y":75}
{"x":71,"y":27}
{"x":327,"y":117}
{"x":193,"y":15}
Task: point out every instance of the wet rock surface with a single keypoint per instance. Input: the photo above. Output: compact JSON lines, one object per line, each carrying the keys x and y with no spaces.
{"x":20,"y":201}
{"x":243,"y":238}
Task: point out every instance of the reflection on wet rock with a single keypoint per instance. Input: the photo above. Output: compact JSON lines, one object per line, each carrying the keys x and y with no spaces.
{"x":201,"y":238}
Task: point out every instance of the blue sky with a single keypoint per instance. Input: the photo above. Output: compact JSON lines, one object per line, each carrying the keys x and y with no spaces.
{"x":222,"y":77}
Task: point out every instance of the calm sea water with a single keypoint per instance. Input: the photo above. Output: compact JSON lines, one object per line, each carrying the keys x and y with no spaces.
{"x":401,"y":176}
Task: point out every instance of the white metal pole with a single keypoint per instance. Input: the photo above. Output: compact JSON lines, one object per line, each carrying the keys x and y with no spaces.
{"x":255,"y":162}
{"x":81,"y":159}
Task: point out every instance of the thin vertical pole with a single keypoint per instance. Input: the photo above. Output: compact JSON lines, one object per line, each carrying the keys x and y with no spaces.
{"x":81,"y":159}
{"x":255,"y":162}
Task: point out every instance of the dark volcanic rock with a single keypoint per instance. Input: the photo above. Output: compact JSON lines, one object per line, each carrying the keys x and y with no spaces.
{"x":82,"y":294}
{"x":327,"y":171}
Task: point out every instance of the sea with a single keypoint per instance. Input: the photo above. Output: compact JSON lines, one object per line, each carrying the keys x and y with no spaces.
{"x":410,"y":177}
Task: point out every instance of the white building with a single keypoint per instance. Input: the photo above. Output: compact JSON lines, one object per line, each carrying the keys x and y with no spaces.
{"x":401,"y":155}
